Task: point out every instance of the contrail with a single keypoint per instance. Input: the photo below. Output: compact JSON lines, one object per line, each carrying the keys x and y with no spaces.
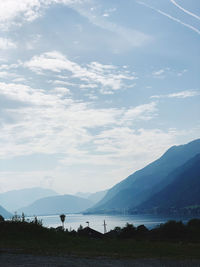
{"x":171,"y":17}
{"x":184,"y":10}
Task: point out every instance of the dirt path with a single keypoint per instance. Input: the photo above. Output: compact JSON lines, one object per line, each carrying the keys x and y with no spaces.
{"x":8,"y":260}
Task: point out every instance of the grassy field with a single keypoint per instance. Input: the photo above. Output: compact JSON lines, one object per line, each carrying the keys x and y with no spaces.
{"x":111,"y":248}
{"x":35,"y":239}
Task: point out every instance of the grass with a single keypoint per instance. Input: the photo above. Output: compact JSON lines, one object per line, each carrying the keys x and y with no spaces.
{"x":35,"y":239}
{"x":126,"y":248}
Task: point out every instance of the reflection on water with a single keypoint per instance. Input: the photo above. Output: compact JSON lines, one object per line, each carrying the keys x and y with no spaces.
{"x":73,"y":221}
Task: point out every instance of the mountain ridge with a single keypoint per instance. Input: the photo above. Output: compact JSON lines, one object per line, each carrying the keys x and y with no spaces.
{"x":140,"y":185}
{"x":183,"y":192}
{"x":57,"y":205}
{"x":16,"y":199}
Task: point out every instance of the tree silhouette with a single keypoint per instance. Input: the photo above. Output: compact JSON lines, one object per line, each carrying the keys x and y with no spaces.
{"x":1,"y":218}
{"x":62,"y":218}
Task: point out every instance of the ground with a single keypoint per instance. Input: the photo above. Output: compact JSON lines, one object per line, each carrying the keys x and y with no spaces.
{"x":8,"y":259}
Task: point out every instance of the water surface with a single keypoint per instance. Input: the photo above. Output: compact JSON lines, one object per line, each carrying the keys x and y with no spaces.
{"x":73,"y":221}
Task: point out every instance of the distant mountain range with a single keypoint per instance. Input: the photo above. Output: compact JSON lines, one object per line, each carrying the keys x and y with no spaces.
{"x":57,"y":205}
{"x":42,"y":201}
{"x":94,"y":197}
{"x":14,"y":200}
{"x":145,"y":183}
{"x":171,"y":184}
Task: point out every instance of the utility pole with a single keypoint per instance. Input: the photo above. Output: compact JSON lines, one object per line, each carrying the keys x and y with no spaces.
{"x":104,"y":224}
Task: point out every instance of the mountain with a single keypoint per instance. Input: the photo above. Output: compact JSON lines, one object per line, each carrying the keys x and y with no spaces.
{"x":142,"y":184}
{"x":14,"y":200}
{"x":94,"y":197}
{"x":183,"y":192}
{"x":83,"y":194}
{"x":57,"y":205}
{"x":5,"y":213}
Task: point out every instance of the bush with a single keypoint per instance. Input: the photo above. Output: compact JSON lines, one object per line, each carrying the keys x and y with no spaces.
{"x":1,"y":218}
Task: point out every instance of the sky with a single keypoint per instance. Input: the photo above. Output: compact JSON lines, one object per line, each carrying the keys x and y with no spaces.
{"x":93,"y":90}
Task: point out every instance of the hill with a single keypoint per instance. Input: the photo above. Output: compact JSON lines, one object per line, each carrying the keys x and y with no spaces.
{"x":182,"y":195}
{"x":144,"y":183}
{"x":57,"y":205}
{"x":5,"y":213}
{"x":16,"y":199}
{"x":94,"y":197}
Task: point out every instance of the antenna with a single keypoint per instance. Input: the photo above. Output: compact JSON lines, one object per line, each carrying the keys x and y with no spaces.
{"x":104,"y":224}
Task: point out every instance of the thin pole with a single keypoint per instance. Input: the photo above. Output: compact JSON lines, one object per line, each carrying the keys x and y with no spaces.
{"x":104,"y":224}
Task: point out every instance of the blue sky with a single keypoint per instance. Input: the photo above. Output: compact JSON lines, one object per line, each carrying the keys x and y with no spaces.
{"x":92,"y":90}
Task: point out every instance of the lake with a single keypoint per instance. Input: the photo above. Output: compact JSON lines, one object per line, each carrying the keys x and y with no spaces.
{"x":73,"y":221}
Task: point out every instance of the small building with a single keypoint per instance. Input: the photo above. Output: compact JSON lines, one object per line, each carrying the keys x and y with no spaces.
{"x":87,"y":231}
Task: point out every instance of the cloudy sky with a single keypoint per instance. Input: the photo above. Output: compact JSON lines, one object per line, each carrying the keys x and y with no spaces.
{"x":92,"y":90}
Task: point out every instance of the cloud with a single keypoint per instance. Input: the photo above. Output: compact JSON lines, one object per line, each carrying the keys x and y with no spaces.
{"x":130,"y":37}
{"x":37,"y":116}
{"x":14,"y":12}
{"x":125,"y":149}
{"x":7,"y":44}
{"x":171,"y":17}
{"x":181,"y":73}
{"x":159,"y":73}
{"x":183,"y":94}
{"x":62,"y":91}
{"x":184,"y":10}
{"x":107,"y":77}
{"x":141,"y":112}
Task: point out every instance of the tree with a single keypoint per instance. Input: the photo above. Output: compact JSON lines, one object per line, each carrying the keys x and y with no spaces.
{"x":62,"y":218}
{"x":1,"y":218}
{"x":23,"y":217}
{"x":128,"y":231}
{"x":80,"y":229}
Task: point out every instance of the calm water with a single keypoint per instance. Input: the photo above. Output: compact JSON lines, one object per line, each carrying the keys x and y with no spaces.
{"x":73,"y":221}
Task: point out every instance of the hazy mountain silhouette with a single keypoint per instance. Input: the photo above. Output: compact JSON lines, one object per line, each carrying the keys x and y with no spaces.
{"x":94,"y":197}
{"x":5,"y":213}
{"x":184,"y":191}
{"x":57,"y":205}
{"x":16,"y":199}
{"x":144,"y":183}
{"x":83,"y":194}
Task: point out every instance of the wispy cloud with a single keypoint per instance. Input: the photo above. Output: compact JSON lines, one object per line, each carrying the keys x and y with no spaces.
{"x":107,"y":77}
{"x":36,"y":117}
{"x":183,"y":94}
{"x":15,"y":12}
{"x":6,"y":43}
{"x":159,"y":73}
{"x":129,"y":36}
{"x":171,"y":17}
{"x":184,"y":10}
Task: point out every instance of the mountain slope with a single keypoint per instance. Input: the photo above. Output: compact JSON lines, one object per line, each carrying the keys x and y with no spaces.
{"x":184,"y":191}
{"x":144,"y":183}
{"x":57,"y":205}
{"x":94,"y":197}
{"x":5,"y":213}
{"x":14,"y":200}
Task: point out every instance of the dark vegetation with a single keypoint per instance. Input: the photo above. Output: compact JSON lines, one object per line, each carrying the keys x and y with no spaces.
{"x":172,"y":239}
